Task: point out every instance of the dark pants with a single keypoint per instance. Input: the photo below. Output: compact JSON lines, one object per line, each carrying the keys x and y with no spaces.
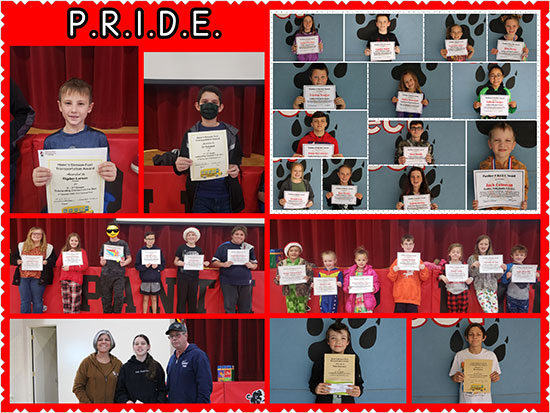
{"x":405,"y":308}
{"x":237,"y":297}
{"x":112,"y":292}
{"x":188,"y":289}
{"x":210,"y":205}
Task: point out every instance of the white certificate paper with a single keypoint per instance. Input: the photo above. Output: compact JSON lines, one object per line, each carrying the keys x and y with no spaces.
{"x":415,"y":155}
{"x":292,"y":274}
{"x":490,"y":264}
{"x":494,"y":105}
{"x":32,"y":262}
{"x":72,"y":258}
{"x":307,"y":44}
{"x":361,"y":284}
{"x":238,"y":257}
{"x":499,"y":187}
{"x":409,"y":102}
{"x":113,"y":252}
{"x":325,"y":286}
{"x":524,"y":273}
{"x":456,"y":272}
{"x":296,"y":199}
{"x":417,"y":202}
{"x":456,"y":47}
{"x":193,"y":262}
{"x":344,"y":194}
{"x":408,"y":261}
{"x":75,"y":185}
{"x":509,"y":50}
{"x":382,"y":51}
{"x":319,"y":97}
{"x":150,"y":257}
{"x":209,"y":153}
{"x":318,"y":150}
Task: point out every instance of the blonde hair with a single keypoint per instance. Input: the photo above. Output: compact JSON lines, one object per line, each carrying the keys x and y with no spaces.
{"x":328,"y":252}
{"x":28,"y":245}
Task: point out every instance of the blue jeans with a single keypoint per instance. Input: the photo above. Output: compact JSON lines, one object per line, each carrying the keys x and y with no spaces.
{"x":211,"y":205}
{"x":31,"y":291}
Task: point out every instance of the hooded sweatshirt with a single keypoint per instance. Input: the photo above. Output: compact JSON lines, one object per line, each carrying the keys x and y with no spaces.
{"x":133,"y":383}
{"x":96,"y":382}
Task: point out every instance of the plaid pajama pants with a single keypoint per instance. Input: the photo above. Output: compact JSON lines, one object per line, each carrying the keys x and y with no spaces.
{"x":457,"y":303}
{"x":71,"y":296}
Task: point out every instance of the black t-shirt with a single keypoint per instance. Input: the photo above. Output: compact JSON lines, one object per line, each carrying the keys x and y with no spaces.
{"x":377,"y":37}
{"x":187,"y":250}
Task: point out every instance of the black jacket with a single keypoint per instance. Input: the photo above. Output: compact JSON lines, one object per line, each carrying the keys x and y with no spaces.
{"x":133,"y":383}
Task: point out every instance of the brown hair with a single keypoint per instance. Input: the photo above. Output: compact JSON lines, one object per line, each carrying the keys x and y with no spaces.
{"x":453,"y":246}
{"x":239,"y":228}
{"x":360,"y":251}
{"x":448,"y":35}
{"x":477,"y":253}
{"x":338,"y":327}
{"x":402,"y":86}
{"x":519,"y":248}
{"x":75,"y":85}
{"x":67,"y":246}
{"x":407,"y":237}
{"x":501,"y":126}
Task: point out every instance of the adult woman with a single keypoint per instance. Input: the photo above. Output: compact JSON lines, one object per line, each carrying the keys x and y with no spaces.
{"x":71,"y":276}
{"x":141,"y":378}
{"x":97,"y":375}
{"x":32,"y":283}
{"x":415,"y":185}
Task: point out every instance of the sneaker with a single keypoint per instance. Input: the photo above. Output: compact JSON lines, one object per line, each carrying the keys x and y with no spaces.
{"x":44,"y":308}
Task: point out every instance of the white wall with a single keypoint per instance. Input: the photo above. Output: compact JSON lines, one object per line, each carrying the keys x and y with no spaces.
{"x":74,"y":343}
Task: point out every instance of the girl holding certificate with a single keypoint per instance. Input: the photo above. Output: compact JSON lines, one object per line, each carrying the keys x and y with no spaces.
{"x":454,"y":32}
{"x":33,"y":274}
{"x":457,"y":291}
{"x":296,"y":294}
{"x":415,"y":184}
{"x":409,"y":83}
{"x":364,"y":302}
{"x":73,"y":262}
{"x":511,"y":25}
{"x":307,"y":30}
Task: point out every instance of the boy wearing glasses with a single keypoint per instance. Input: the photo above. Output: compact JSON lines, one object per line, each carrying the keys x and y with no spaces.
{"x":114,"y":256}
{"x":414,"y":138}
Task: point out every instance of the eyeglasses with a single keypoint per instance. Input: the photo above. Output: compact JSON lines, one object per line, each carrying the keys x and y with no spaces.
{"x":496,"y":76}
{"x":174,"y":336}
{"x":149,"y":239}
{"x":416,"y":128}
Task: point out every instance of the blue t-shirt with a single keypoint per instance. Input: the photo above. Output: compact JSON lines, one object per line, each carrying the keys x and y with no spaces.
{"x":214,"y":188}
{"x":236,"y":274}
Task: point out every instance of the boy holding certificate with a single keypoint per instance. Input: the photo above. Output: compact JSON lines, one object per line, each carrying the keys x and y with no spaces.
{"x":407,"y":281}
{"x":475,"y":386}
{"x":517,"y":293}
{"x":338,"y":340}
{"x":150,"y":263}
{"x":318,"y":76}
{"x":189,"y":260}
{"x":75,"y":103}
{"x":502,"y":141}
{"x":114,"y":258}
{"x":382,"y":34}
{"x":212,"y":195}
{"x":318,"y":136}
{"x":236,"y":259}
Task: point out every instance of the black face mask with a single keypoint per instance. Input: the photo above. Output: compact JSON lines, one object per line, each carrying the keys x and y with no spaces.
{"x":209,"y":110}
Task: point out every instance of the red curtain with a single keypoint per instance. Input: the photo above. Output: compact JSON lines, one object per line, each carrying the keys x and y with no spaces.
{"x":111,"y":70}
{"x":382,"y":238}
{"x":231,"y":342}
{"x":170,"y":112}
{"x":92,"y":233}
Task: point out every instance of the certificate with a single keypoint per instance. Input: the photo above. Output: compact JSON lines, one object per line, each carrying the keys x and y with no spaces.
{"x":409,"y":102}
{"x":477,"y":375}
{"x":408,"y":261}
{"x":75,"y":185}
{"x":113,"y":252}
{"x":380,"y":51}
{"x":325,"y":286}
{"x":490,"y":264}
{"x":318,"y":150}
{"x":296,"y":199}
{"x":292,"y":274}
{"x":193,"y":262}
{"x":524,"y":273}
{"x":494,"y":105}
{"x":361,"y":284}
{"x":417,"y":202}
{"x":307,"y":44}
{"x":499,"y":187}
{"x":238,"y":257}
{"x":456,"y":272}
{"x":509,"y":50}
{"x":339,"y":369}
{"x":456,"y":47}
{"x":209,"y":153}
{"x":319,"y":97}
{"x":72,"y":258}
{"x":344,"y":194}
{"x":151,"y":256}
{"x":415,"y":155}
{"x":32,"y":262}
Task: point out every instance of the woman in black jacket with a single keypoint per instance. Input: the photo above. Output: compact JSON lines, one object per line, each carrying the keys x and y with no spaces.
{"x":141,"y":379}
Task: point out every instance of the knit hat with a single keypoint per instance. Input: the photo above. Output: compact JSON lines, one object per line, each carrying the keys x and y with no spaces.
{"x":191,"y":229}
{"x":101,"y":332}
{"x":290,"y":245}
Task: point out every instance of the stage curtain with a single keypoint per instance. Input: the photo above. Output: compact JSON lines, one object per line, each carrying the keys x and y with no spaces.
{"x":168,"y":237}
{"x":170,"y":112}
{"x":231,"y":342}
{"x":382,"y":238}
{"x":112,"y":71}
